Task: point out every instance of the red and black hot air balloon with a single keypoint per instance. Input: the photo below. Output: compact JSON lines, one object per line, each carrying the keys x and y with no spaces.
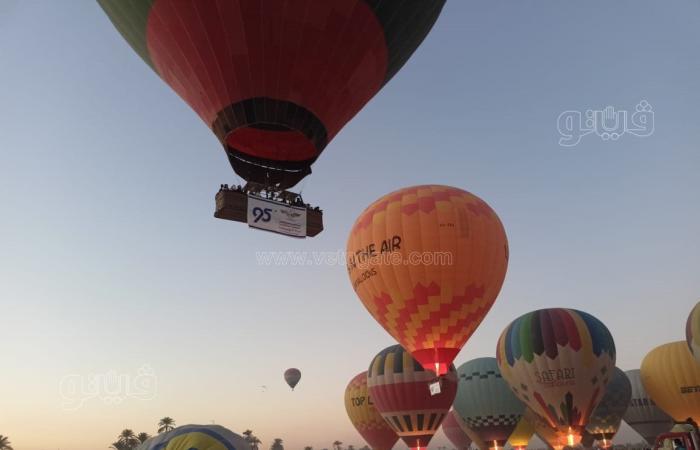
{"x":275,"y":80}
{"x":400,"y":389}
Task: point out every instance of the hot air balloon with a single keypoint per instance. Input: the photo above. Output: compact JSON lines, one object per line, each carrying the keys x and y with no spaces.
{"x":428,"y":263}
{"x":292,"y":377}
{"x":671,"y":377}
{"x":549,"y":435}
{"x":210,"y":437}
{"x":558,"y":361}
{"x":399,"y":387}
{"x":643,"y":415}
{"x":365,"y":417}
{"x":486,"y":403}
{"x":275,"y":81}
{"x":455,"y":420}
{"x":692,"y":331}
{"x":520,"y":437}
{"x":455,"y":433}
{"x":607,"y":416}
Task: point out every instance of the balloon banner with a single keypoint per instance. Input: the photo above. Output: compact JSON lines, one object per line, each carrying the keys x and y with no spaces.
{"x":276,"y":217}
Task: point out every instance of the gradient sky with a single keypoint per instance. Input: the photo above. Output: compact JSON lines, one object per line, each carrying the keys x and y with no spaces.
{"x":111,"y":258}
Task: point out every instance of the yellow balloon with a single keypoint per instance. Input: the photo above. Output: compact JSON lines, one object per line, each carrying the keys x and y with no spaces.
{"x":522,"y":433}
{"x":671,"y":377}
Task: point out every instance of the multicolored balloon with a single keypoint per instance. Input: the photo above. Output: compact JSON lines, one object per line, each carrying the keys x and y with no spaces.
{"x":607,"y":416}
{"x":292,"y":377}
{"x":558,"y":361}
{"x":671,"y":377}
{"x":365,"y":417}
{"x":643,"y":415}
{"x":400,"y":389}
{"x":275,"y":80}
{"x":486,"y":403}
{"x":520,"y":437}
{"x":209,"y":437}
{"x":427,"y":263}
{"x":692,"y":331}
{"x":454,"y":432}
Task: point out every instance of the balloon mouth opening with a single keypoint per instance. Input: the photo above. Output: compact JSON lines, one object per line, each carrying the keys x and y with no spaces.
{"x":272,"y":141}
{"x":436,"y":360}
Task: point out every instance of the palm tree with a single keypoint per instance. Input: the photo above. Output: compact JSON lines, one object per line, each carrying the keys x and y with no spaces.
{"x":5,"y":443}
{"x":142,"y":437}
{"x":251,"y":439}
{"x":128,"y":438}
{"x":337,"y":445}
{"x":119,"y":446}
{"x":277,"y":444}
{"x":351,"y":447}
{"x":166,"y":424}
{"x":308,"y":448}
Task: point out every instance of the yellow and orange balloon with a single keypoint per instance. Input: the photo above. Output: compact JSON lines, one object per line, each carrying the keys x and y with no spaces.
{"x":365,"y":417}
{"x":428,"y":263}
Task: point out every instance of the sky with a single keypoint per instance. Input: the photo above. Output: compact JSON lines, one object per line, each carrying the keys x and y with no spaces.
{"x":112,"y":261}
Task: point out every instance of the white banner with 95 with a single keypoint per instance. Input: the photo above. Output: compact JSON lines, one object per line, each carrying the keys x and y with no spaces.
{"x":277,"y":217}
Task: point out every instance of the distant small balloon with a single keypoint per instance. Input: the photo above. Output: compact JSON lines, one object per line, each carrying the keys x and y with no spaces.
{"x":292,"y":377}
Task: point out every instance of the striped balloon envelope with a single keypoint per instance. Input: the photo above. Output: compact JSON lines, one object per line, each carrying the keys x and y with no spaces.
{"x":642,"y":414}
{"x":606,"y":419}
{"x":558,"y":361}
{"x":365,"y":417}
{"x":455,"y":433}
{"x":671,"y":377}
{"x":692,"y":331}
{"x":275,"y":80}
{"x":209,"y":437}
{"x":428,"y":263}
{"x":486,"y":403}
{"x":400,"y":389}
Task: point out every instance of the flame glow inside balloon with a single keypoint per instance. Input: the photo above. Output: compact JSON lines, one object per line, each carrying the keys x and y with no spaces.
{"x":558,"y":361}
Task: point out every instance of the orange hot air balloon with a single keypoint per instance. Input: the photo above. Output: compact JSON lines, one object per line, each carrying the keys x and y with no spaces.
{"x":365,"y":417}
{"x":428,"y":262}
